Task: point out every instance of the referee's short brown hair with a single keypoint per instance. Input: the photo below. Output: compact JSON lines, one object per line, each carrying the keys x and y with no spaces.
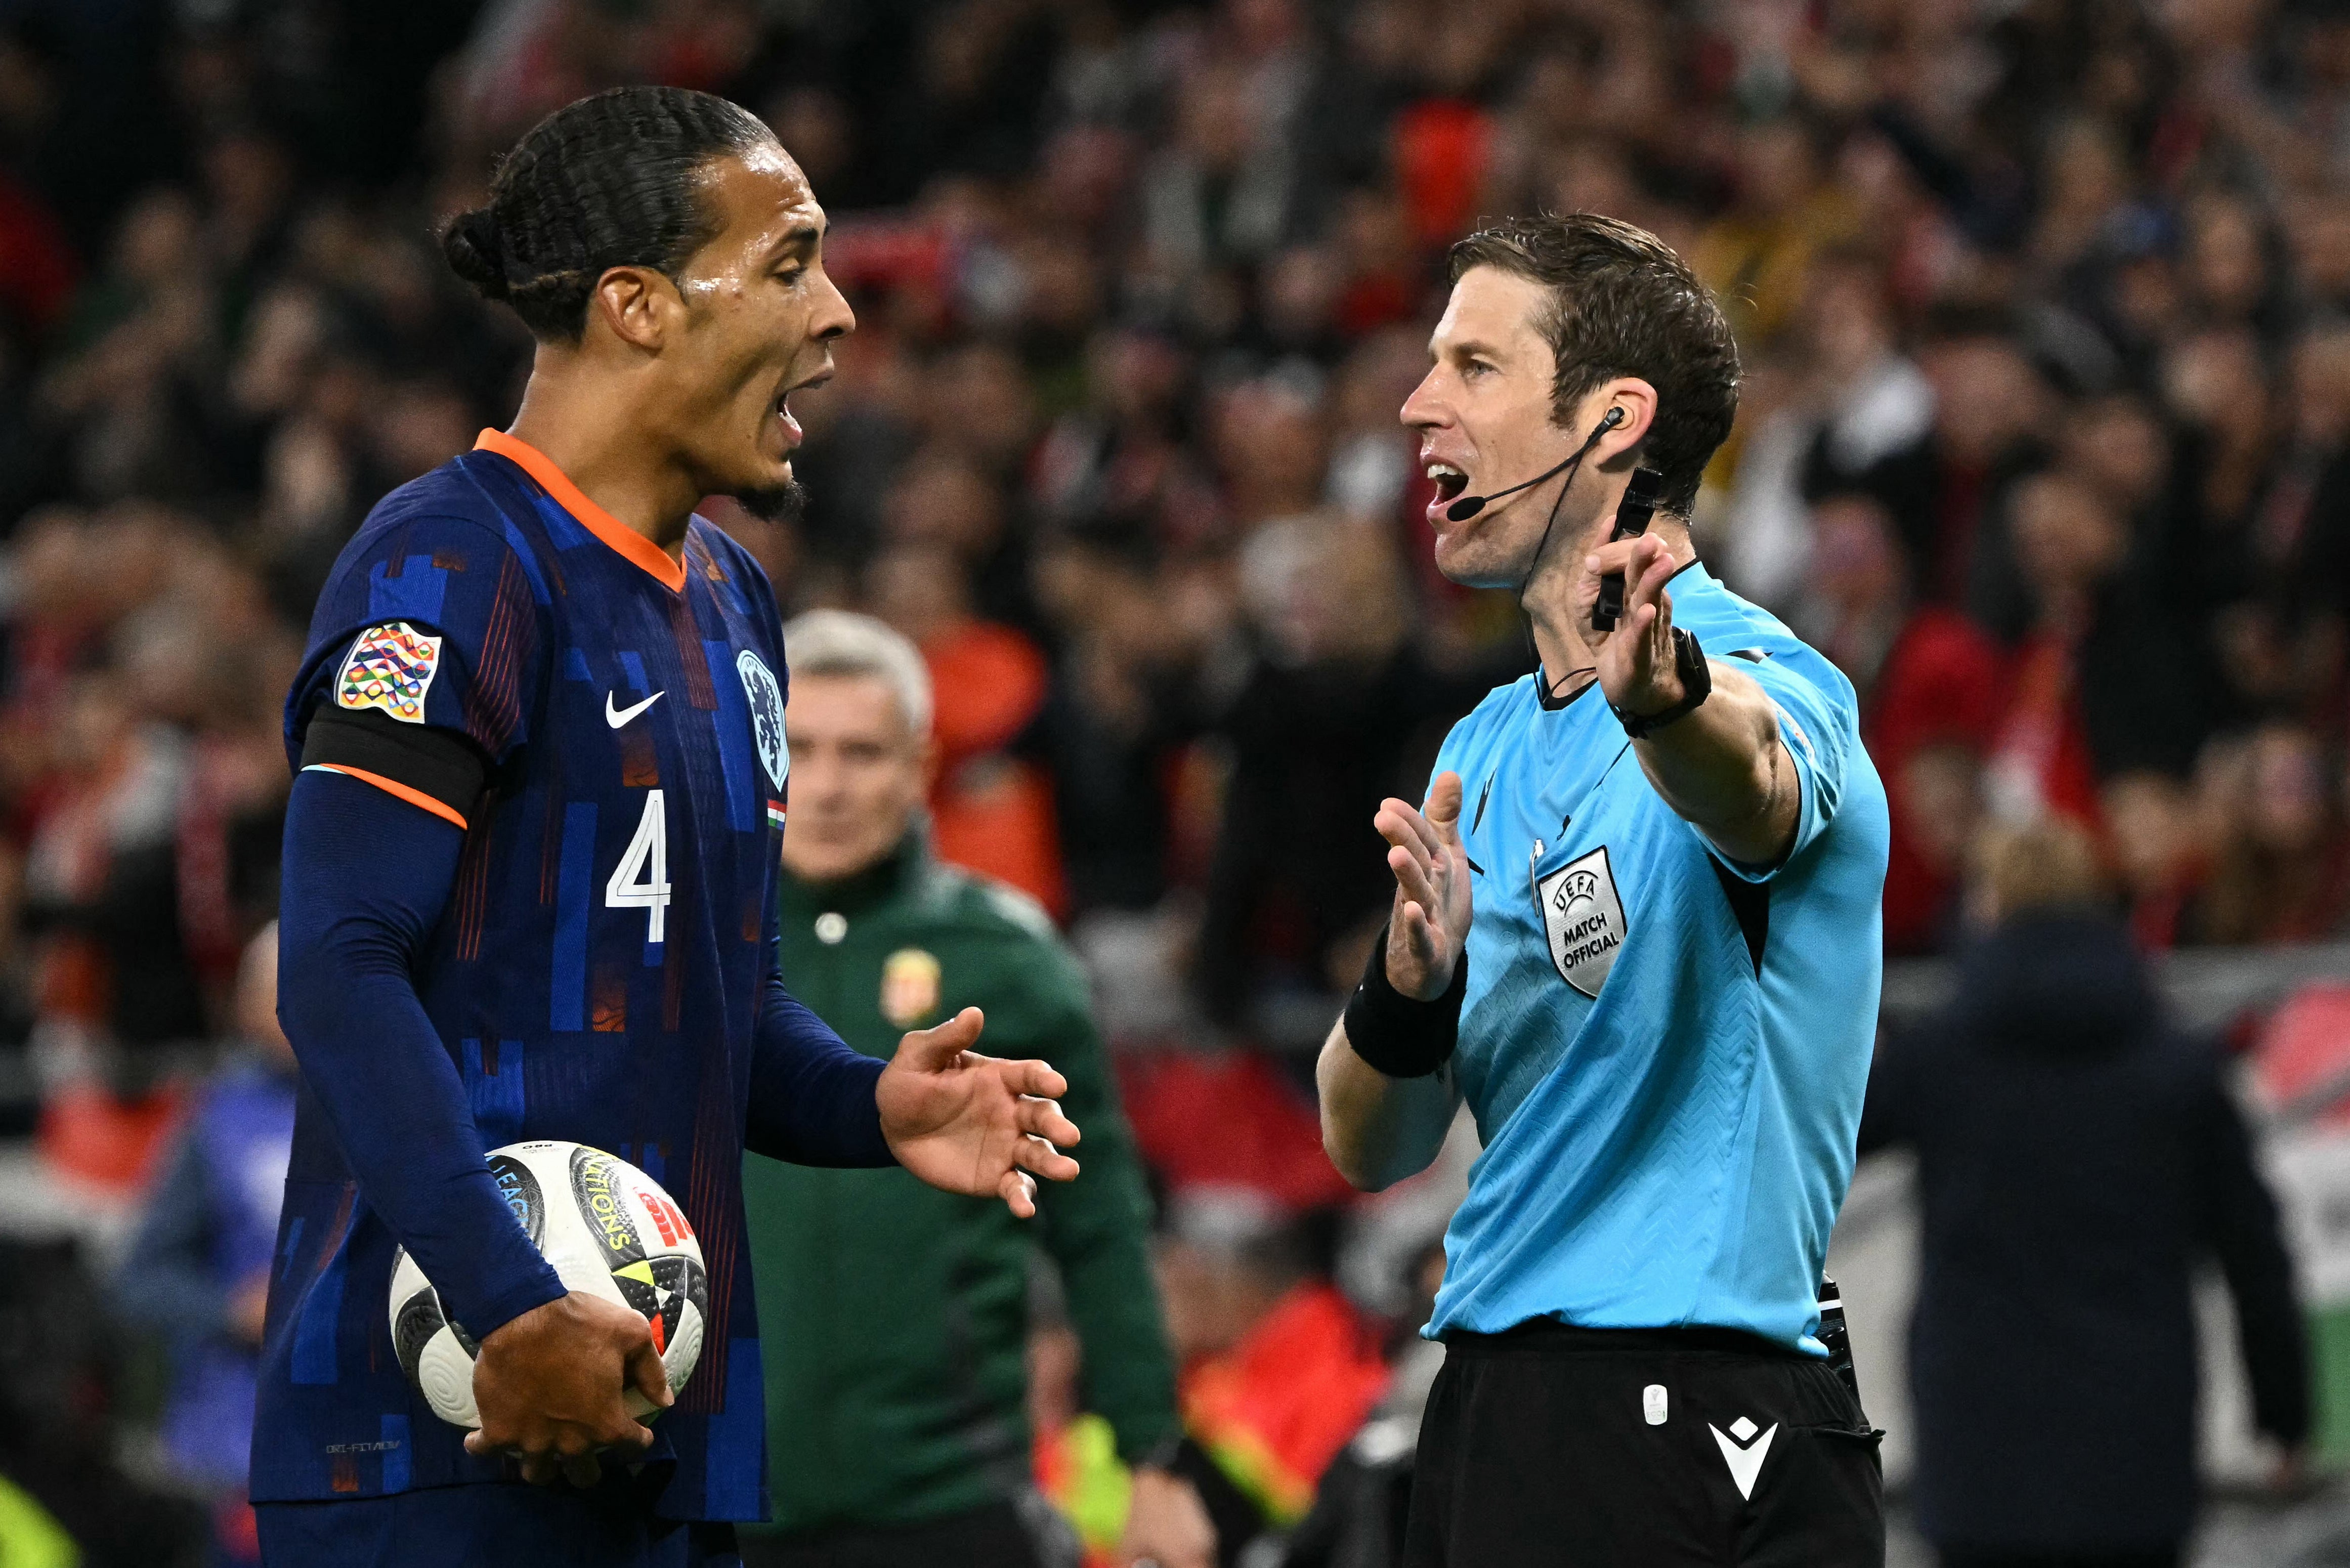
{"x":1622,"y":304}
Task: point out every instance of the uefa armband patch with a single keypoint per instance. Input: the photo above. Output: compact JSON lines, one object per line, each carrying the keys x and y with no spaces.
{"x":391,"y":667}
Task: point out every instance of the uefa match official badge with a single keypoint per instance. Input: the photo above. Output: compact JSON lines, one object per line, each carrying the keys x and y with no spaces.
{"x":1583,"y":919}
{"x":766,"y":697}
{"x":910,"y":986}
{"x":391,"y":667}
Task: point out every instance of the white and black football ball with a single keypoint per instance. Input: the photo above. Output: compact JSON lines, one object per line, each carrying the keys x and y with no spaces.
{"x":610,"y":1230}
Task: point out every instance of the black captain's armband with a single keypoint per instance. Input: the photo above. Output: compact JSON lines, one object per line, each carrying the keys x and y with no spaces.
{"x":439,"y":763}
{"x":1697,"y":685}
{"x":1400,"y":1036}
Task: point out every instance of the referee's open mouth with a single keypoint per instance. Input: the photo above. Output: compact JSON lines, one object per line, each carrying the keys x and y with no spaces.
{"x":1450,"y":482}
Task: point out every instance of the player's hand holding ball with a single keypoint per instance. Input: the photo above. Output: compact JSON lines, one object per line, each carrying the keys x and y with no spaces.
{"x":1431,"y":898}
{"x":551,"y":1385}
{"x":571,"y":1376}
{"x":975,"y":1124}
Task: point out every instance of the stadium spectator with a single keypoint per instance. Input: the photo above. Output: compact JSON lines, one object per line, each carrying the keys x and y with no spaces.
{"x":1278,"y":1368}
{"x":1364,"y":1497}
{"x":2077,"y":1153}
{"x":1340,"y":700}
{"x":1932,"y":686}
{"x":2100,"y":684}
{"x":198,"y":1273}
{"x":2280,"y":864}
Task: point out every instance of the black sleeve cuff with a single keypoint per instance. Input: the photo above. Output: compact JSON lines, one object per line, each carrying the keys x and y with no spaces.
{"x":440,"y":764}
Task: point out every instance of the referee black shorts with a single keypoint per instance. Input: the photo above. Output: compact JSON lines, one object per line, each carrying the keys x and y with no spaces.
{"x":1567,"y":1448}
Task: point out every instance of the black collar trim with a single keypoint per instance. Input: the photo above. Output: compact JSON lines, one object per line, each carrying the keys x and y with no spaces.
{"x":1552,"y":704}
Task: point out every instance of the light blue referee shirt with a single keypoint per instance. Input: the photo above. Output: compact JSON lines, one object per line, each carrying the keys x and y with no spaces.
{"x":1665,"y":1052}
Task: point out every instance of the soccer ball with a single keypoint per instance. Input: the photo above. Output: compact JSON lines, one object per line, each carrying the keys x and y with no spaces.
{"x":610,"y":1230}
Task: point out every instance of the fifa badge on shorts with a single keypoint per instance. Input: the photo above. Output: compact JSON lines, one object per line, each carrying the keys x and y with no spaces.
{"x":1583,"y":919}
{"x":391,"y":667}
{"x":766,"y":700}
{"x":910,"y":986}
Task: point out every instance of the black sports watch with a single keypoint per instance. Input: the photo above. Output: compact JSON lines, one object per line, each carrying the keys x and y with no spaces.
{"x":1697,"y":685}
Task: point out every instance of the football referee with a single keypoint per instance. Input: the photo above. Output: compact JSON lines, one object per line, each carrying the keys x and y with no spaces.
{"x":1636,"y":929}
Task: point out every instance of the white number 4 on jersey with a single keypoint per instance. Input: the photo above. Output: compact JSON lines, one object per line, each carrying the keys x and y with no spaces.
{"x":641,"y":880}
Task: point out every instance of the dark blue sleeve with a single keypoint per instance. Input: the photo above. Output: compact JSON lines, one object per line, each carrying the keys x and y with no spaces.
{"x":811,"y":1092}
{"x":367,"y":877}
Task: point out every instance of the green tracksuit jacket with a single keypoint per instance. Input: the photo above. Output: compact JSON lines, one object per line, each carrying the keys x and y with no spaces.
{"x":892,"y":1316}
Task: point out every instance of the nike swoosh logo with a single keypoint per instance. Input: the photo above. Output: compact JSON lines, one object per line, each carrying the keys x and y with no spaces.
{"x":1745,"y":1464}
{"x":615,"y":717}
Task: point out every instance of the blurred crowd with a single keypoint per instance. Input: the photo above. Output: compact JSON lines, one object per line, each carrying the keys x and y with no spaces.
{"x":2044,"y":307}
{"x":2046,"y":436}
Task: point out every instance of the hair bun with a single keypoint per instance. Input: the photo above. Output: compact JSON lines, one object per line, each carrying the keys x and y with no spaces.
{"x":476,"y":252}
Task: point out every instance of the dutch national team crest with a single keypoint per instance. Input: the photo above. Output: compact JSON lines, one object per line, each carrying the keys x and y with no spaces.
{"x":391,"y":667}
{"x":766,"y":716}
{"x":1584,"y":919}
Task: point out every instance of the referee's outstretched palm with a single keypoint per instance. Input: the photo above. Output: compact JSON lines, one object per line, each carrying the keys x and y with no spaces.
{"x":1431,"y":899}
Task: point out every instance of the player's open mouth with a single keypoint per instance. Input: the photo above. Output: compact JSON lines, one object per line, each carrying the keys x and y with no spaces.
{"x":792,"y":433}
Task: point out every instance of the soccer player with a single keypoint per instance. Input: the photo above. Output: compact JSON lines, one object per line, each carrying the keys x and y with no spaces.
{"x":530,"y":866}
{"x":1635,"y":927}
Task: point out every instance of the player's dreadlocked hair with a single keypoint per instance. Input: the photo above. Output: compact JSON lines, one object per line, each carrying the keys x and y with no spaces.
{"x":1622,"y":304}
{"x":607,"y":182}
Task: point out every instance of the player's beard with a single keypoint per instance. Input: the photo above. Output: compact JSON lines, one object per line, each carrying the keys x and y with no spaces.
{"x":784,"y":503}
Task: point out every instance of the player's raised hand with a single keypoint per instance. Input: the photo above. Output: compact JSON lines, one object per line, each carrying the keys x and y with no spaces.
{"x":1432,"y":897}
{"x":1637,"y":669}
{"x":969,"y":1123}
{"x":550,"y":1386}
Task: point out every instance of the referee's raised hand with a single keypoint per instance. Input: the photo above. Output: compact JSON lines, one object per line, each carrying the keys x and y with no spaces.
{"x":1432,"y":898}
{"x":1635,"y":660}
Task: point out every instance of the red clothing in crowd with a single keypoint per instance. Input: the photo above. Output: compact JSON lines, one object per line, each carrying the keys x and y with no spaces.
{"x":2040,"y":758}
{"x":1939,"y":684}
{"x":992,"y":812}
{"x":1229,"y":1119}
{"x":34,"y":257}
{"x":1275,"y":1409}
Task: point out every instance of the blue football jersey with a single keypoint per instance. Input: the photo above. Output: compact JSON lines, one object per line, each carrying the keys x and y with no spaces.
{"x":597,"y":971}
{"x":1665,"y":1053}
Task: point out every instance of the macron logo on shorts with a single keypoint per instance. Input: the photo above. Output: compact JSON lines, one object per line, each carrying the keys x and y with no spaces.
{"x":1744,"y":1451}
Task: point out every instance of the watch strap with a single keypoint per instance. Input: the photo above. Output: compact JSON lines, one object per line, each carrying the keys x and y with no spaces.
{"x":1697,"y":685}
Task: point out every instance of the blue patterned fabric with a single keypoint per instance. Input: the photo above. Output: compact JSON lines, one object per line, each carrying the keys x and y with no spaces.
{"x":596,"y":962}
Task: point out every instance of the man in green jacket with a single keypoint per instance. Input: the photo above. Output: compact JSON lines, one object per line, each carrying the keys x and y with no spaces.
{"x":893,"y":1318}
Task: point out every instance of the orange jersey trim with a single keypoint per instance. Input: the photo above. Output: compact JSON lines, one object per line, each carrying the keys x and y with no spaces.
{"x":639,"y":550}
{"x":413,"y":797}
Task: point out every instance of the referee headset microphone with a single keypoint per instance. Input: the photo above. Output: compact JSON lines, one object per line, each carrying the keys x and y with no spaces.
{"x":1467,"y":506}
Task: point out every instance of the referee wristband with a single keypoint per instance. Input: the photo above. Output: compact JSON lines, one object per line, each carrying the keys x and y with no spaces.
{"x":1396,"y":1035}
{"x":1697,"y":685}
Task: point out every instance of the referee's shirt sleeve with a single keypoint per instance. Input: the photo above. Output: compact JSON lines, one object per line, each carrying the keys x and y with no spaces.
{"x":1819,"y":720}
